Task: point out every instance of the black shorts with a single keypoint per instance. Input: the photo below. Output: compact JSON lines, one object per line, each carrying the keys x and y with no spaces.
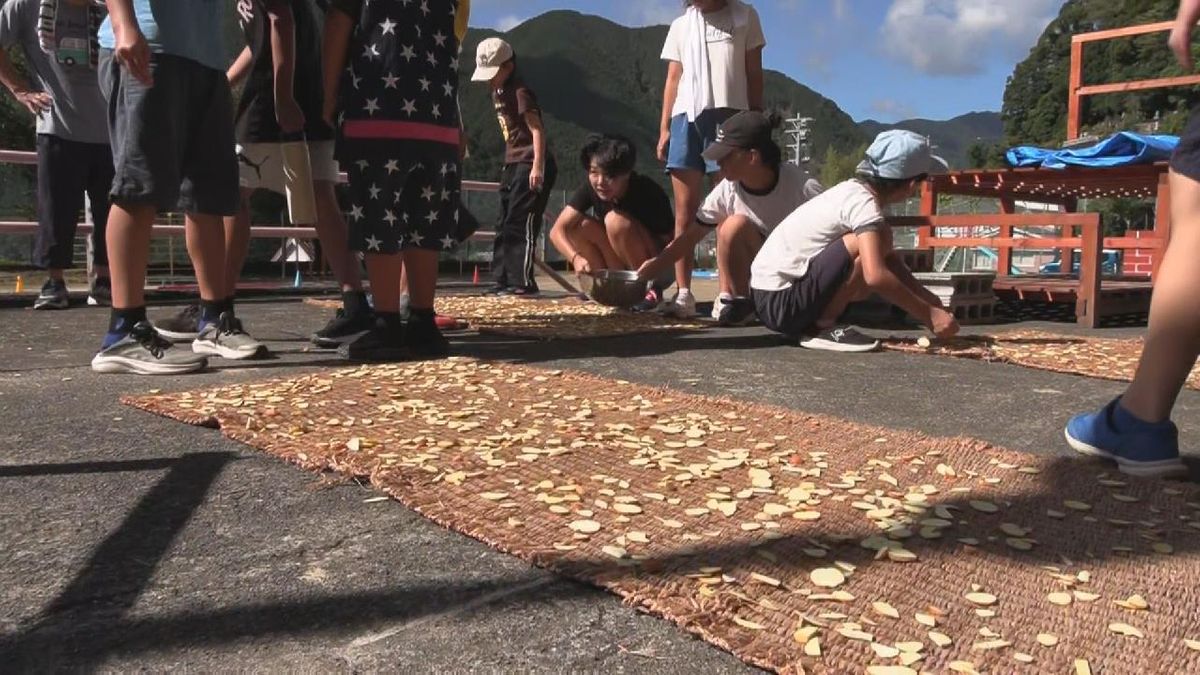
{"x":793,"y":310}
{"x":1186,"y":158}
{"x":172,"y":142}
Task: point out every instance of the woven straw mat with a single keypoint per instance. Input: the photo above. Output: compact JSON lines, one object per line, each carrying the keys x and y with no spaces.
{"x":1104,"y":358}
{"x":799,"y":543}
{"x":546,"y":319}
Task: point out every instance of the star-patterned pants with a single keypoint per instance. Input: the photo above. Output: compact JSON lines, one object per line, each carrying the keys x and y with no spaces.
{"x":400,"y":201}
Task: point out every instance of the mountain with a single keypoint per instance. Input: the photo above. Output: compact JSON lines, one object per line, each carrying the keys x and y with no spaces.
{"x":952,"y":138}
{"x":593,"y":75}
{"x":1035,"y":100}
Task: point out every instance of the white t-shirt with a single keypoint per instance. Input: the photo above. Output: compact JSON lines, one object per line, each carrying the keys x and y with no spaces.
{"x":794,"y":187}
{"x":727,"y":49}
{"x":844,"y":208}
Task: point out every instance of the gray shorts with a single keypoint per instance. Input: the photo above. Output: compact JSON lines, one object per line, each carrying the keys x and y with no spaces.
{"x":793,"y":310}
{"x":173,"y":142}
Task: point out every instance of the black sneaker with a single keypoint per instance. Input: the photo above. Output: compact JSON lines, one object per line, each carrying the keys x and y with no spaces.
{"x":183,"y":327}
{"x":846,"y":339}
{"x":737,"y":312}
{"x":100,"y":294}
{"x":425,"y":340}
{"x":524,"y":291}
{"x":342,"y":328}
{"x":650,"y":303}
{"x":53,"y":296}
{"x":382,"y":343}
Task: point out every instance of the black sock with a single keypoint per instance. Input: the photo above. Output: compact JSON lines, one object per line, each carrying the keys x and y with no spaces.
{"x":123,"y":320}
{"x":210,"y":311}
{"x":390,"y":320}
{"x":354,"y":303}
{"x":228,"y":305}
{"x":420,"y":314}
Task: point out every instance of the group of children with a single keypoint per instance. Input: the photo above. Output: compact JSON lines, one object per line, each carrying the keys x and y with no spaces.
{"x":375,"y":90}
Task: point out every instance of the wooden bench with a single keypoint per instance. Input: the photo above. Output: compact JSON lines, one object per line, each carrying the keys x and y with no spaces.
{"x":1093,"y":296}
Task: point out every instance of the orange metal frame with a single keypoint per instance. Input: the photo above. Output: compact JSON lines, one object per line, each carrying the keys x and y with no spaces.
{"x":1078,"y":91}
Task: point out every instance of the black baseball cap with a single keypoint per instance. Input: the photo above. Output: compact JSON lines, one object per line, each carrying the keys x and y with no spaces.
{"x":746,"y":130}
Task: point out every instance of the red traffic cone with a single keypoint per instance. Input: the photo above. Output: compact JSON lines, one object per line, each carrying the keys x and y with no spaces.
{"x":475,"y":277}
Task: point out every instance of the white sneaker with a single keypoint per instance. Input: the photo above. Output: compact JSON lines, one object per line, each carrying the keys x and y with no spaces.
{"x":719,"y":304}
{"x":682,"y":306}
{"x":841,"y":339}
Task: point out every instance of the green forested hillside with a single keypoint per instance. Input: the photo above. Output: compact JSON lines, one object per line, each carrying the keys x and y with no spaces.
{"x":1035,"y":100}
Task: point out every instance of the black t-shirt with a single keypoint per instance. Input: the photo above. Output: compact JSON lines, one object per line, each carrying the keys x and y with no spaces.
{"x":256,"y":111}
{"x":645,"y":201}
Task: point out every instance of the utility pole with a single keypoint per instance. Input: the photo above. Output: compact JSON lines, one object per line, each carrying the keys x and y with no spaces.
{"x":797,"y":133}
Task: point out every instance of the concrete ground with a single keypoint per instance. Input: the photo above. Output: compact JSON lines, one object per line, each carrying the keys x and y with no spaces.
{"x":132,"y":542}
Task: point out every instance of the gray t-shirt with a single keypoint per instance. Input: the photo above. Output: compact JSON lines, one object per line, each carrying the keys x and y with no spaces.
{"x":79,"y":112}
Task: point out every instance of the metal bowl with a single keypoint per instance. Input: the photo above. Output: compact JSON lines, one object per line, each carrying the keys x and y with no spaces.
{"x":615,"y":288}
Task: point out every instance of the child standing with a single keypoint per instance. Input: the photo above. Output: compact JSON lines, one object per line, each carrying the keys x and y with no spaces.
{"x":758,"y":191}
{"x":399,"y":139}
{"x":714,"y":69}
{"x":529,"y":168}
{"x":170,"y":115}
{"x":837,"y":248}
{"x":1135,"y":429}
{"x":58,"y":40}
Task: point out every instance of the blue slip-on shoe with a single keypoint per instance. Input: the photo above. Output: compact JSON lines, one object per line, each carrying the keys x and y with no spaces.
{"x":1139,"y":448}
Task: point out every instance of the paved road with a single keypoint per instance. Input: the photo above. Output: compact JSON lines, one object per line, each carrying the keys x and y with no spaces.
{"x":133,"y":542}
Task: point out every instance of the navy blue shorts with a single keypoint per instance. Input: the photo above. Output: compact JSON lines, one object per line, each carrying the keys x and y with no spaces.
{"x":793,"y":310}
{"x":1186,"y":158}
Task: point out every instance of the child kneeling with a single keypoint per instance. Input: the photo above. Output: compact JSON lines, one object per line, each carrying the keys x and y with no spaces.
{"x":837,"y":249}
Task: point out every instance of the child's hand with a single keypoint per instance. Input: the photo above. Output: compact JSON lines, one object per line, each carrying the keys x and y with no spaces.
{"x":664,"y":140}
{"x":942,"y":323}
{"x":133,"y":52}
{"x":37,"y":102}
{"x":289,"y":116}
{"x":648,"y":270}
{"x":537,"y":178}
{"x":581,"y":264}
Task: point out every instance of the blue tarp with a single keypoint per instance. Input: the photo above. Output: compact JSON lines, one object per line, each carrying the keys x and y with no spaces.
{"x":1120,"y":149}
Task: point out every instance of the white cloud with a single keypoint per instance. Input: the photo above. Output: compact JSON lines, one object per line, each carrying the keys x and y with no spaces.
{"x":508,"y":22}
{"x":956,"y":37}
{"x":891,"y":110}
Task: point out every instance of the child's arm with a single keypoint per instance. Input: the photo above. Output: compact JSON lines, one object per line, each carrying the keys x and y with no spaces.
{"x":873,"y":252}
{"x":674,"y":251}
{"x":338,"y":27}
{"x":37,"y":102}
{"x":568,"y":218}
{"x":240,"y":67}
{"x":131,"y":49}
{"x":754,"y":78}
{"x":283,"y":58}
{"x":670,"y":91}
{"x":537,"y":175}
{"x":1181,"y":35}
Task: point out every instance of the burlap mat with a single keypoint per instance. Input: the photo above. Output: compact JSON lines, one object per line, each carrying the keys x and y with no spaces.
{"x":800,"y":543}
{"x":1104,"y":358}
{"x":546,"y":318}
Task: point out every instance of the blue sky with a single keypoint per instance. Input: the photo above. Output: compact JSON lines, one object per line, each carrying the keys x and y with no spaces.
{"x":881,"y":59}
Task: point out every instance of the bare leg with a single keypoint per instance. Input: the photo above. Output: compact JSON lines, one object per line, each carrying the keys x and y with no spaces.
{"x":1173,"y":339}
{"x":237,"y":244}
{"x":421,"y":270}
{"x":592,"y":242}
{"x":403,"y":279}
{"x":854,"y":289}
{"x":384,"y":271}
{"x":335,"y":237}
{"x":630,"y":240}
{"x":128,"y":252}
{"x":688,"y":186}
{"x":738,"y":241}
{"x":205,"y":237}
